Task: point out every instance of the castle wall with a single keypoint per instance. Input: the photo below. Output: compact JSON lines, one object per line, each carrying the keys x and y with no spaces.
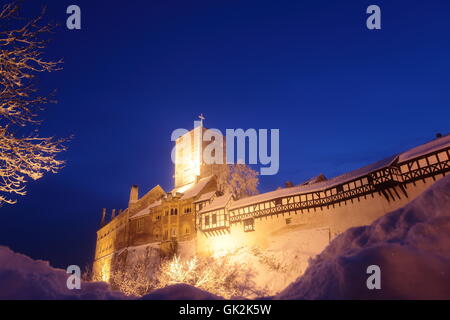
{"x":318,"y":226}
{"x":277,"y":232}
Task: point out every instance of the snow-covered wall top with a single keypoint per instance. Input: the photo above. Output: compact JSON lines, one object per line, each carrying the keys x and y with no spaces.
{"x":442,"y":143}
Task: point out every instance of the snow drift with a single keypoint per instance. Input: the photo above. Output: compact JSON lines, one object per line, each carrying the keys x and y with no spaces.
{"x":410,"y":245}
{"x":24,"y":278}
{"x":180,"y":292}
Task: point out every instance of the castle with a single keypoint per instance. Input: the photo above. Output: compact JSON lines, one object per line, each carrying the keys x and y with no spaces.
{"x":299,"y":220}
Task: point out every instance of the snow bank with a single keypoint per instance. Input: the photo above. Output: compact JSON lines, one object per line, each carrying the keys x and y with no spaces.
{"x":278,"y":263}
{"x":24,"y":278}
{"x":180,"y":292}
{"x":410,"y":245}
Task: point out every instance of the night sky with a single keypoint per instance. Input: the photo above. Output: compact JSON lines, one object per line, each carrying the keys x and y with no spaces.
{"x":342,"y":96}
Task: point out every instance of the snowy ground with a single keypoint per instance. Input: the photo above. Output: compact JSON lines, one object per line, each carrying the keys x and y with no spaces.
{"x":24,"y":278}
{"x":410,"y":245}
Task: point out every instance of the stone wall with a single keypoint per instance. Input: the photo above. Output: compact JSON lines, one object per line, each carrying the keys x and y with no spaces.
{"x":303,"y":234}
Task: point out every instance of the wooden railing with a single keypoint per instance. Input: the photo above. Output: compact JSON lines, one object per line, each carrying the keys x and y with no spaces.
{"x":378,"y":181}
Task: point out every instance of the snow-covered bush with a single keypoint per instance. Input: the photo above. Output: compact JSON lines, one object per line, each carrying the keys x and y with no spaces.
{"x":220,"y":276}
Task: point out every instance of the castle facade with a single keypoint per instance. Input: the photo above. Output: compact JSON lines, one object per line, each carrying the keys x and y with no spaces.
{"x":298,"y":221}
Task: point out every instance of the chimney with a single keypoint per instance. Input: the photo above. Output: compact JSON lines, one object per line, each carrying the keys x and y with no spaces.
{"x":113,"y":214}
{"x":134,"y":194}
{"x":103,"y":221}
{"x":288,"y":184}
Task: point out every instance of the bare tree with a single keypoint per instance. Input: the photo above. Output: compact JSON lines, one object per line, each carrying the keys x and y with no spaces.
{"x":23,"y":153}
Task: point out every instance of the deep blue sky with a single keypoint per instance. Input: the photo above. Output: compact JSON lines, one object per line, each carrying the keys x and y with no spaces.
{"x":341,"y":95}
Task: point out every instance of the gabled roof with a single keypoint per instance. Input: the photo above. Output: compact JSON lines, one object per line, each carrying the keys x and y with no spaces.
{"x":196,"y":188}
{"x":217,"y":203}
{"x":206,"y":196}
{"x":155,"y":189}
{"x":146,"y":210}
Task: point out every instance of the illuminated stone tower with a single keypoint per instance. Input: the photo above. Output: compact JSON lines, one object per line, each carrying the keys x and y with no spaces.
{"x":188,"y":156}
{"x":189,"y":164}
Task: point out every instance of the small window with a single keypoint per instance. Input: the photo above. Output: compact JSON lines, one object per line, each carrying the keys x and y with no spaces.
{"x":288,"y":220}
{"x":340,"y":188}
{"x":206,"y":220}
{"x":278,"y":202}
{"x":214,"y":218}
{"x":187,"y":230}
{"x":249,"y":225}
{"x":174,"y":232}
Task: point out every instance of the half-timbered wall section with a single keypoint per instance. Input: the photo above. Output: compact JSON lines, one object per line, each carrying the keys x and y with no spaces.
{"x":214,"y":216}
{"x":389,"y":178}
{"x":217,"y":219}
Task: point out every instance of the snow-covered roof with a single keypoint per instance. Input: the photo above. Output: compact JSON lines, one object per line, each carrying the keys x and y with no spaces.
{"x":437,"y":144}
{"x":196,"y":188}
{"x":315,"y":186}
{"x":206,"y":196}
{"x":434,"y":145}
{"x":146,"y":210}
{"x":217,"y":203}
